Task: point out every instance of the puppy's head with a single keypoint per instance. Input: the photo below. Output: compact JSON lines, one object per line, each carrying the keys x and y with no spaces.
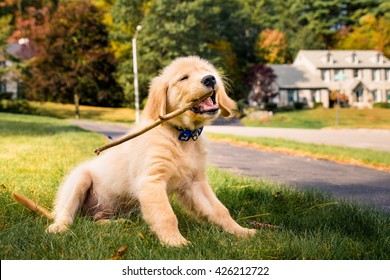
{"x":184,"y":80}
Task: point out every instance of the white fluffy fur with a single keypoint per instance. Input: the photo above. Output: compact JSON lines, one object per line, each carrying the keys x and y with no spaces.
{"x":144,"y":171}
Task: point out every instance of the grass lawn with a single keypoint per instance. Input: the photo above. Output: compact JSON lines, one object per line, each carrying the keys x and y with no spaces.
{"x":67,"y":111}
{"x":320,"y":118}
{"x":362,"y":157}
{"x":38,"y":151}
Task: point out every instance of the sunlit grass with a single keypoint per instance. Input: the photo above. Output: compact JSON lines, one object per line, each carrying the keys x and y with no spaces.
{"x":376,"y":118}
{"x":67,"y":111}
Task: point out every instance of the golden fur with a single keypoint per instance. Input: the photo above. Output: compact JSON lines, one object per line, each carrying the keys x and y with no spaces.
{"x":144,"y":171}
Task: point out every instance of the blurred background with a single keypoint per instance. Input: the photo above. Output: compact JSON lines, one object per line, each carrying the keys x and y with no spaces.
{"x":81,"y":51}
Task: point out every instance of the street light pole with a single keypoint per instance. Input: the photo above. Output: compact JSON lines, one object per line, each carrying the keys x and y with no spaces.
{"x":135,"y":70}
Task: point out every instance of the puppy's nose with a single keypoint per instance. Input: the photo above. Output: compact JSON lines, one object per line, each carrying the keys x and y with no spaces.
{"x":209,"y":81}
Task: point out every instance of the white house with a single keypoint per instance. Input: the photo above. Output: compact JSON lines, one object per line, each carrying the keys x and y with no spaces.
{"x":9,"y":82}
{"x":364,"y":76}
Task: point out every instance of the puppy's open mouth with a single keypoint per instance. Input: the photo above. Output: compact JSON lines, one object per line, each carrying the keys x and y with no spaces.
{"x":209,"y":105}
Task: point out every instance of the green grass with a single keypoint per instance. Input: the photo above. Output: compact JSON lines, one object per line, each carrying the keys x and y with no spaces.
{"x":377,"y":118}
{"x":36,"y":153}
{"x":67,"y":111}
{"x":363,"y":157}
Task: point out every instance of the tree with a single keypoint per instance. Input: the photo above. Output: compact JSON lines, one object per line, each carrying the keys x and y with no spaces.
{"x":311,"y":24}
{"x":5,"y":32}
{"x":371,"y":33}
{"x":126,"y":15}
{"x":261,"y":80}
{"x":73,"y":60}
{"x":272,"y":46}
{"x":212,"y":29}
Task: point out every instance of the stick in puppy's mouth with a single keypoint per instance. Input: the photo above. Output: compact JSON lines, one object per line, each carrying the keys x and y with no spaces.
{"x":207,"y":105}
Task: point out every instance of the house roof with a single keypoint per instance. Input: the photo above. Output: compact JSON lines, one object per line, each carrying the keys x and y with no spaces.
{"x":296,"y":76}
{"x":343,"y":58}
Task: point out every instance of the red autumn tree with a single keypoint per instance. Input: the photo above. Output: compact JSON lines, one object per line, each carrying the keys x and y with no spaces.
{"x":261,"y":79}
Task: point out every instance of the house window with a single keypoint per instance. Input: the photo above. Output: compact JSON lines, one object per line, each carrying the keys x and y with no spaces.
{"x":338,"y":72}
{"x":388,"y":95}
{"x":325,"y":75}
{"x":376,"y":75}
{"x":315,"y":96}
{"x":376,"y":95}
{"x":292,"y":95}
{"x":358,"y":94}
{"x":358,"y":73}
{"x":3,"y":87}
{"x":387,"y":75}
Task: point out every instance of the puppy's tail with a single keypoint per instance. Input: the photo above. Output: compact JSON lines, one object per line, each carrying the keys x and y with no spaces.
{"x":31,"y":205}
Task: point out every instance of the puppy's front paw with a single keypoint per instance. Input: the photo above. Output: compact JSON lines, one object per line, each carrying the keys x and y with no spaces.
{"x":245,"y":232}
{"x":175,"y":241}
{"x":249,"y":232}
{"x":57,"y":228}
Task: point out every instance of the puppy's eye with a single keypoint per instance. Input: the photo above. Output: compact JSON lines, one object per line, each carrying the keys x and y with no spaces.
{"x":184,"y":78}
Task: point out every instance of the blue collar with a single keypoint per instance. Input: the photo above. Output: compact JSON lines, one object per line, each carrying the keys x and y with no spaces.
{"x":186,"y":134}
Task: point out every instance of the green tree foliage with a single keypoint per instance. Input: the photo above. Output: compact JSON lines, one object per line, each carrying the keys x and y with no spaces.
{"x":234,"y":34}
{"x":126,"y":15}
{"x":73,"y":58}
{"x":311,"y":24}
{"x":212,"y":29}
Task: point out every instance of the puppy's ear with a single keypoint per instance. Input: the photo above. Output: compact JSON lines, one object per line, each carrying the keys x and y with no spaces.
{"x":157,"y":100}
{"x":228,"y":106}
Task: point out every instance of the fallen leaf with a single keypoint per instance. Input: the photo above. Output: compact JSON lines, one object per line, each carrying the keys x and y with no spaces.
{"x":119,"y":253}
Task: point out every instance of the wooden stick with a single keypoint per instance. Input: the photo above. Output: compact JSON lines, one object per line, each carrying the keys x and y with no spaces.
{"x":31,"y":205}
{"x":162,"y":119}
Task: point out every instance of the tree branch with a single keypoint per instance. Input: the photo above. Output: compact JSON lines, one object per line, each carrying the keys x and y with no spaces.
{"x":162,"y":119}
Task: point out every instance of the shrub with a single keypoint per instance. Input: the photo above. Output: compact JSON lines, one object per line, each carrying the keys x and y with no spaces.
{"x":318,"y":105}
{"x":299,"y":105}
{"x":16,"y":106}
{"x":270,"y":107}
{"x":382,"y":105}
{"x":6,"y":95}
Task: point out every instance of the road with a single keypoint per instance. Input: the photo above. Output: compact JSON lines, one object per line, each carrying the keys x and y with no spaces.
{"x":364,"y":185}
{"x":376,"y":139}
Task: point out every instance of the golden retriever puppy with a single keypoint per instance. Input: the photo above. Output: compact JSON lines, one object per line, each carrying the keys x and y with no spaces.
{"x":168,"y":159}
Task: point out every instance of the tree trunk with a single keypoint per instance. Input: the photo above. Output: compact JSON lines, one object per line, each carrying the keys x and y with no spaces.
{"x":76,"y":103}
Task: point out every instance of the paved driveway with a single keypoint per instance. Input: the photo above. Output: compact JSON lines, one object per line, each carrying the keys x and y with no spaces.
{"x":365,"y":185}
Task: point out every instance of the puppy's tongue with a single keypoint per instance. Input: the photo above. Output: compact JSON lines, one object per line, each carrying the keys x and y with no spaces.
{"x":208,"y":105}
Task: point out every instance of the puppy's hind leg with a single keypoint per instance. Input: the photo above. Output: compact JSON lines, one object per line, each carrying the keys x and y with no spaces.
{"x":69,"y":200}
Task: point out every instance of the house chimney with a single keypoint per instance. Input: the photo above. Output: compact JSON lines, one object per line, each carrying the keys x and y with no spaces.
{"x":329,"y":57}
{"x":379,"y":58}
{"x":355,"y":58}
